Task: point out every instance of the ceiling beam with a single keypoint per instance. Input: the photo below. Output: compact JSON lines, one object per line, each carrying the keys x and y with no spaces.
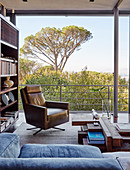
{"x":62,"y":12}
{"x":66,"y":12}
{"x":3,"y":10}
{"x":118,"y":4}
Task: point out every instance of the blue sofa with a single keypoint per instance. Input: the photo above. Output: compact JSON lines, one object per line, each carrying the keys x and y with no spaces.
{"x":50,"y":157}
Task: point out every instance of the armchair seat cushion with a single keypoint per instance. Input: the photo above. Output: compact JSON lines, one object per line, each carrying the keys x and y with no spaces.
{"x":53,"y":111}
{"x":56,"y":116}
{"x":59,"y":151}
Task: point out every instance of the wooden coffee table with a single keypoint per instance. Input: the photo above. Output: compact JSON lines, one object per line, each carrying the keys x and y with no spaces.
{"x":113,"y":140}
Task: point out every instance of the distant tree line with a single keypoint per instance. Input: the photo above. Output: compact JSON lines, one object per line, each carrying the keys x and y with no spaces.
{"x":79,"y":97}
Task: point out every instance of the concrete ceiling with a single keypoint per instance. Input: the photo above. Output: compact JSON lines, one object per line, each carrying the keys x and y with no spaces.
{"x":125,"y":5}
{"x":64,"y":4}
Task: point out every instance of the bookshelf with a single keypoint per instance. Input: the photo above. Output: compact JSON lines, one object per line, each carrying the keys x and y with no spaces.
{"x":9,"y":60}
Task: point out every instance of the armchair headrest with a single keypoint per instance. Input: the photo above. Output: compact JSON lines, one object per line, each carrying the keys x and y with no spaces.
{"x":34,"y":95}
{"x":33,"y":89}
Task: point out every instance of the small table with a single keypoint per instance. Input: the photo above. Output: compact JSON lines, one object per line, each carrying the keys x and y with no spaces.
{"x":113,"y":140}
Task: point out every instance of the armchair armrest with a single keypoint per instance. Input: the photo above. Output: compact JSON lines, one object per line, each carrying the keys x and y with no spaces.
{"x":55,"y":104}
{"x":36,"y":115}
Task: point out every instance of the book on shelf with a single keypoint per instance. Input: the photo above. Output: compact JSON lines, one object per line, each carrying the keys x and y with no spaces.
{"x":2,"y":126}
{"x":96,"y":136}
{"x":100,"y":142}
{"x":3,"y":119}
{"x":123,"y":127}
{"x":13,"y":114}
{"x":7,"y":120}
{"x":8,"y":68}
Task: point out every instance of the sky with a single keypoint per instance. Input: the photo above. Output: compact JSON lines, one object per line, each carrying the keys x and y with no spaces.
{"x":97,"y":53}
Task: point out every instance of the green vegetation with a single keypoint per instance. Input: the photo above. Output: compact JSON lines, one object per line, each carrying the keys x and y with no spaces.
{"x":84,"y":97}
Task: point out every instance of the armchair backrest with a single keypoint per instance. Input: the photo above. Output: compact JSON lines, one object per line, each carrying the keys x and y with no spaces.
{"x":32,"y":95}
{"x":35,"y":96}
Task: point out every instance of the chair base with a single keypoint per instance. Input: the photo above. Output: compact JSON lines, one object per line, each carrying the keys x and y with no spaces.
{"x":58,"y":128}
{"x":35,"y":128}
{"x":43,"y":129}
{"x":38,"y":131}
{"x":31,"y":128}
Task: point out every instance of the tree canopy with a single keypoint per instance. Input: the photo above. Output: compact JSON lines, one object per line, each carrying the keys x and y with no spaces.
{"x":54,"y":46}
{"x":84,"y":97}
{"x":26,"y":67}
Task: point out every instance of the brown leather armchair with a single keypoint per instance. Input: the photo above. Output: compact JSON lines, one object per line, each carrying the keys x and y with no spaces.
{"x":40,"y":113}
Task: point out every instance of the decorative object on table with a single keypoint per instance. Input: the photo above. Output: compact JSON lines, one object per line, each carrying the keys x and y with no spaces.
{"x":106,"y":107}
{"x":95,"y":114}
{"x":9,"y":82}
{"x":5,"y":99}
{"x":11,"y":97}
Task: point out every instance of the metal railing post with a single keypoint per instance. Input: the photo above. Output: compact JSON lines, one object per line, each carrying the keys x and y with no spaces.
{"x":108,"y":97}
{"x":60,"y":92}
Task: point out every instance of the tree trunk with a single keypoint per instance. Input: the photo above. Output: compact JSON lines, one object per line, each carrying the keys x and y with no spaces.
{"x":56,"y":69}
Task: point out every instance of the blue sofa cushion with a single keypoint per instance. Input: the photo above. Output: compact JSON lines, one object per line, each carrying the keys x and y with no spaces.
{"x":63,"y":151}
{"x":59,"y":164}
{"x":9,"y":145}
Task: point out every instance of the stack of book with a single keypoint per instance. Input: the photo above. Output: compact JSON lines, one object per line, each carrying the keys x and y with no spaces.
{"x":95,"y":138}
{"x":84,"y":128}
{"x":13,"y":114}
{"x":2,"y":126}
{"x":123,"y":128}
{"x":8,"y":68}
{"x":6,"y":120}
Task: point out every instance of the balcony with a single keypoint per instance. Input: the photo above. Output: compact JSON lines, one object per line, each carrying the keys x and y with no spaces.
{"x":84,"y":98}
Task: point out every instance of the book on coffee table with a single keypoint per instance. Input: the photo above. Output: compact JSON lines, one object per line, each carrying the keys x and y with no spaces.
{"x":94,"y":136}
{"x":123,"y":128}
{"x":93,"y":128}
{"x":91,"y":142}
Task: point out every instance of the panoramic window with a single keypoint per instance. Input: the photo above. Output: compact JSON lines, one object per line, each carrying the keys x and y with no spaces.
{"x":51,"y":53}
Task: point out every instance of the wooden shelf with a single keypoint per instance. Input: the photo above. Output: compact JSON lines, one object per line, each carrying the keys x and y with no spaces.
{"x":6,"y":43}
{"x":10,"y":104}
{"x":9,"y":64}
{"x":9,"y":60}
{"x":8,"y":75}
{"x":7,"y":90}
